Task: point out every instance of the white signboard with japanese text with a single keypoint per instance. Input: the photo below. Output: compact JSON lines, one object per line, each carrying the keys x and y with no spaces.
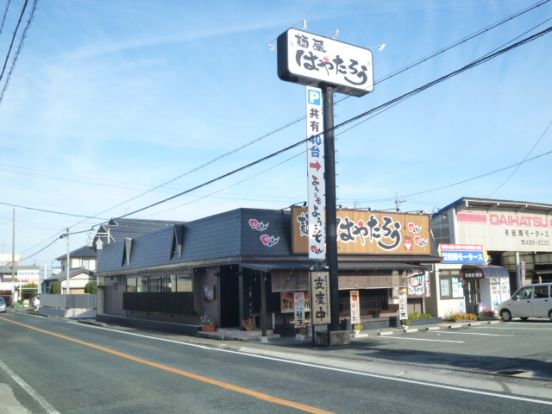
{"x":403,"y":307}
{"x":320,"y":298}
{"x":299,"y":303}
{"x":355,"y":306}
{"x":315,"y":174}
{"x":310,"y":59}
{"x":505,"y":230}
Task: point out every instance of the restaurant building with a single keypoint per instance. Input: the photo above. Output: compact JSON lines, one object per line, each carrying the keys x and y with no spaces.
{"x":248,"y":265}
{"x":490,"y":248}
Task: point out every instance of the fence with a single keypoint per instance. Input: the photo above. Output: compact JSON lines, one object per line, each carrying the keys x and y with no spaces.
{"x":86,"y":301}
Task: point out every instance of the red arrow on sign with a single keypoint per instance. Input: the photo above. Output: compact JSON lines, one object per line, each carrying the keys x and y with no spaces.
{"x":315,"y":165}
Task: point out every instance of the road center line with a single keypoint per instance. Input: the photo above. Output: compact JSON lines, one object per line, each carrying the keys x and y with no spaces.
{"x":334,"y":369}
{"x":182,"y":373}
{"x":29,"y":390}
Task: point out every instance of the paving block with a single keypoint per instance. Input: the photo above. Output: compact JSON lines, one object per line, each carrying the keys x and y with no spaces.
{"x":385,"y":333}
{"x":433,"y":328}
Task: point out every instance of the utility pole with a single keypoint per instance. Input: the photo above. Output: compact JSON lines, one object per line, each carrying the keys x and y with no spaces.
{"x":67,"y":264}
{"x":13,"y":259}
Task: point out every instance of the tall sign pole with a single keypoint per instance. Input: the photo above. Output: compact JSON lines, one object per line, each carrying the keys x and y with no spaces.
{"x":331,"y":213}
{"x":333,"y":66}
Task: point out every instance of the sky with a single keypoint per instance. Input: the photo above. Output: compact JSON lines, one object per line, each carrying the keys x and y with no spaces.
{"x":111,"y":99}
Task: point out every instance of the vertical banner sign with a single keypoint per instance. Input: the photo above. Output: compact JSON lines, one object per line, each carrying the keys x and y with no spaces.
{"x":299,"y":303}
{"x":403,"y":307}
{"x":315,"y":175}
{"x":355,"y":306}
{"x":320,"y":298}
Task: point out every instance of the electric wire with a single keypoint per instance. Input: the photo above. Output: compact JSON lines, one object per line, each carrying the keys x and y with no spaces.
{"x":18,"y":51}
{"x":4,"y":16}
{"x":518,"y":166}
{"x":43,"y":210}
{"x":353,"y":119}
{"x":14,"y":35}
{"x":301,"y":118}
{"x":381,"y":107}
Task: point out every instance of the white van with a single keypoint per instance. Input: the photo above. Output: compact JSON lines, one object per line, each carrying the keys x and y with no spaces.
{"x":529,"y":301}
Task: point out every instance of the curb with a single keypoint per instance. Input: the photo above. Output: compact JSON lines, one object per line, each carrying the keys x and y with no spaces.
{"x":433,"y":328}
{"x":385,"y":333}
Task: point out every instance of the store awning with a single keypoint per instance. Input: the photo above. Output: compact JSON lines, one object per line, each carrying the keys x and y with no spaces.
{"x":345,"y":266}
{"x":480,"y":272}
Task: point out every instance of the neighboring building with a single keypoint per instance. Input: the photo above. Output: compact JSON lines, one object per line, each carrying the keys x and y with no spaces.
{"x":24,"y":275}
{"x":490,"y":249}
{"x":232,"y":265}
{"x":81,"y":271}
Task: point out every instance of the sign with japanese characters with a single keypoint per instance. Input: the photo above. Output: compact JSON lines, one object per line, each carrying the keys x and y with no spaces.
{"x":315,"y":175}
{"x":299,"y":304}
{"x":505,"y":230}
{"x":416,"y":284}
{"x":354,"y":296}
{"x":369,"y":232}
{"x":403,"y":304}
{"x":287,"y":304}
{"x":320,"y":293}
{"x":462,"y":253}
{"x":311,"y":59}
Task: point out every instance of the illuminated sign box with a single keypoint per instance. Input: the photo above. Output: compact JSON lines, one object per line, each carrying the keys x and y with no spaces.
{"x":314,"y":60}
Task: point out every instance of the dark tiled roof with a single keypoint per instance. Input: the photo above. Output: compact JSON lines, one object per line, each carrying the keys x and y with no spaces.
{"x":123,"y":228}
{"x":228,"y":234}
{"x":84,"y":251}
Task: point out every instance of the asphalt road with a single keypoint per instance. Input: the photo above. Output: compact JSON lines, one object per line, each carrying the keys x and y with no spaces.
{"x":51,"y":365}
{"x":524,"y":348}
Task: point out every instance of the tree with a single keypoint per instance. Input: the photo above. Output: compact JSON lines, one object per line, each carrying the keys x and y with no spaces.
{"x":55,"y":288}
{"x":91,"y":287}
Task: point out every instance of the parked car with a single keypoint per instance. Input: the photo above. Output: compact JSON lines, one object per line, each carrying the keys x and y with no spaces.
{"x":3,"y":305}
{"x":527,"y":302}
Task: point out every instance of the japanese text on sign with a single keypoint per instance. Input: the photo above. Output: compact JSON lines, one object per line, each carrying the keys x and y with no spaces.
{"x":320,"y":298}
{"x":355,"y":306}
{"x":311,"y":59}
{"x":315,"y":175}
{"x":299,"y":303}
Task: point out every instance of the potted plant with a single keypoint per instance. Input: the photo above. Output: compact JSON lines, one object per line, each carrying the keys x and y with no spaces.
{"x":207,"y":324}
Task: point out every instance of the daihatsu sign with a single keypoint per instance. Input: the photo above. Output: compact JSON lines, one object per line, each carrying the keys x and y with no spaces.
{"x":311,"y":59}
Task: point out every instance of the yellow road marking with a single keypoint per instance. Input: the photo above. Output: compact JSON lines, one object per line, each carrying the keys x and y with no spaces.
{"x":182,"y":373}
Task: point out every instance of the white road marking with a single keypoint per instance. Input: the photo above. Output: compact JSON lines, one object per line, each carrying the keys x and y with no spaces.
{"x":29,"y":390}
{"x":424,"y":340}
{"x":469,"y":333}
{"x":515,"y":329}
{"x":334,"y":369}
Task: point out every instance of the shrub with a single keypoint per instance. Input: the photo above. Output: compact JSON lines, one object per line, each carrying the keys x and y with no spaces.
{"x":91,"y":287}
{"x":55,"y":288}
{"x":461,"y":317}
{"x":417,"y":315}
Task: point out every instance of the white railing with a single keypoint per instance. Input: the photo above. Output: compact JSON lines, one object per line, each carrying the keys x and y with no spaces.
{"x":86,"y":301}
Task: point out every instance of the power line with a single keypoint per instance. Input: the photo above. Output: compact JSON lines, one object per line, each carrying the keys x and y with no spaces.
{"x":43,"y":210}
{"x":477,"y":177}
{"x":4,"y":16}
{"x":14,"y":35}
{"x":291,"y":123}
{"x":391,"y":102}
{"x":374,"y":111}
{"x":19,"y":47}
{"x":525,"y":158}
